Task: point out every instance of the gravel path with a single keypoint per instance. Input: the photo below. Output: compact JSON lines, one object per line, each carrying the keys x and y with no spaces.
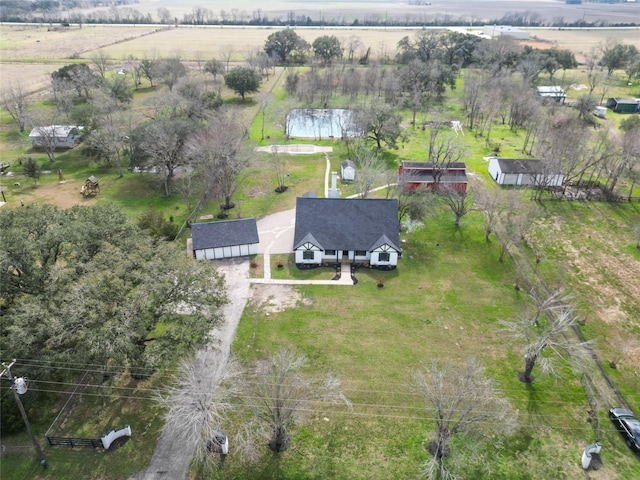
{"x":171,"y":458}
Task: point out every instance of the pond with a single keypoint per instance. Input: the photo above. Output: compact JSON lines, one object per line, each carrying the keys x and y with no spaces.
{"x":318,"y":123}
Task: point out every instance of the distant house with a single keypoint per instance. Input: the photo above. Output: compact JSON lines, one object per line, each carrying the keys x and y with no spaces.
{"x":57,"y":136}
{"x":493,"y":31}
{"x":348,"y":170}
{"x":225,"y":239}
{"x":427,"y":175}
{"x":524,"y":172}
{"x":330,"y":231}
{"x":624,"y":105}
{"x":552,"y":92}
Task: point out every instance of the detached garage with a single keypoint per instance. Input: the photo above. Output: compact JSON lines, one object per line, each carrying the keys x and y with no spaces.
{"x":226,"y":239}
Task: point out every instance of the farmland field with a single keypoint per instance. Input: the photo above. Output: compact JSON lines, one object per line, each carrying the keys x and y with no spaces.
{"x":443,"y":10}
{"x":446,"y":299}
{"x":29,"y":54}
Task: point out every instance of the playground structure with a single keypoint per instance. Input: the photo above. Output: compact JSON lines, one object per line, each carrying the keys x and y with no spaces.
{"x":90,"y":187}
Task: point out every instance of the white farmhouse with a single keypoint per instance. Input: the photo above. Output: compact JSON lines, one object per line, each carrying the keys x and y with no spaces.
{"x":330,"y":231}
{"x":55,"y":136}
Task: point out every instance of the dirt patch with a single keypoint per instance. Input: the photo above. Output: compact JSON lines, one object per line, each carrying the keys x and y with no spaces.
{"x":274,"y":298}
{"x":63,"y":195}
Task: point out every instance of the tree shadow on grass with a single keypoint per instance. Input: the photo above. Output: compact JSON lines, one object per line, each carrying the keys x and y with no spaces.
{"x":533,"y":404}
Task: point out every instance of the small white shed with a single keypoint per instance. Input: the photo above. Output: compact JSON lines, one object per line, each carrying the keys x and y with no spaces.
{"x":348,"y":170}
{"x":523,"y":172}
{"x":225,"y":239}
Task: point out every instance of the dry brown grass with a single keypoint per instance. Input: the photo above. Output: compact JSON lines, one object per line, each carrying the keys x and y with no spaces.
{"x":48,"y":50}
{"x":581,"y":42}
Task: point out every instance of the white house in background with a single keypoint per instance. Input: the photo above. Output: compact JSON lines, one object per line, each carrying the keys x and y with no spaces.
{"x":493,"y":31}
{"x":363,"y":232}
{"x":225,"y":239}
{"x":552,"y":92}
{"x":348,"y":170}
{"x":524,"y":172}
{"x":58,"y":136}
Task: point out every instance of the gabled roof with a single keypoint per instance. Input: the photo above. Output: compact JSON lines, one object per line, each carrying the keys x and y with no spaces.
{"x":224,"y":234}
{"x":57,"y":131}
{"x":625,"y":101}
{"x":347,"y":224}
{"x":348,"y":163}
{"x":520,"y":165}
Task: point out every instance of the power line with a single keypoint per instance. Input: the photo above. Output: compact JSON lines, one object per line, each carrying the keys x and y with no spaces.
{"x":175,"y":372}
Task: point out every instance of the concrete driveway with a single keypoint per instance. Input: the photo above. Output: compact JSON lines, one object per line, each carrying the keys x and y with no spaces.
{"x":276,"y":232}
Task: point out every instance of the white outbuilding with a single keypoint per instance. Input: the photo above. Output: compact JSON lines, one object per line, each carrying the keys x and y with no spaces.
{"x":524,"y":172}
{"x":225,"y":239}
{"x":348,"y":170}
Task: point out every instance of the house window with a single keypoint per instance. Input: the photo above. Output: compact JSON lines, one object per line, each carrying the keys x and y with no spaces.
{"x":361,"y":253}
{"x":384,"y":257}
{"x":329,"y":252}
{"x":308,"y":255}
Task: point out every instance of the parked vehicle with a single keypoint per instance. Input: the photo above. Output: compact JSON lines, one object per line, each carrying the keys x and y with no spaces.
{"x":628,"y":426}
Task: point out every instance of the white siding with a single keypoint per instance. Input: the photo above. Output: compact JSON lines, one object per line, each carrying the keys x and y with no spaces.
{"x":317,"y":257}
{"x":494,"y":170}
{"x":393,"y":259}
{"x":226,"y":252}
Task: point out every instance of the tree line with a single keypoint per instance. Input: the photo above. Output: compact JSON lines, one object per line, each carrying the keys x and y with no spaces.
{"x":120,"y":12}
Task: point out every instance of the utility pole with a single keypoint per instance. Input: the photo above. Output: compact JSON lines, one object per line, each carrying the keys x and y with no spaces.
{"x":15,"y":384}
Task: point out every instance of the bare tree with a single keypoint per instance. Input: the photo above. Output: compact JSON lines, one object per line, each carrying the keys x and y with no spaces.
{"x":197,"y":405}
{"x":227,"y":52}
{"x":159,"y":145}
{"x":279,"y":164}
{"x":371,"y":169}
{"x":14,"y":101}
{"x":47,"y":132}
{"x":516,"y":222}
{"x":460,"y":203}
{"x":218,"y":149}
{"x":100,"y":61}
{"x":492,"y":203}
{"x":546,"y":328}
{"x":444,"y":151}
{"x":110,"y":140}
{"x":594,"y":73}
{"x":352,"y":45}
{"x":463,"y":403}
{"x":170,"y":70}
{"x":280,"y":395}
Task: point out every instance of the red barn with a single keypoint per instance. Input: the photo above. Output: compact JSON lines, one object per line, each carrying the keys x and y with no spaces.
{"x":433,"y":176}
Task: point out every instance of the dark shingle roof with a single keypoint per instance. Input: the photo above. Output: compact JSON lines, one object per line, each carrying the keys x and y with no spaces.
{"x":224,"y":234}
{"x":348,"y":163}
{"x":406,"y":164}
{"x":520,"y":165}
{"x":347,"y":224}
